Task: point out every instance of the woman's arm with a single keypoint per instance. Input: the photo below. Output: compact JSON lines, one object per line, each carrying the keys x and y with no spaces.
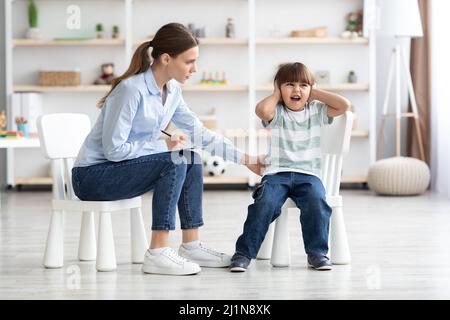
{"x":265,"y":109}
{"x":117,"y":123}
{"x":337,"y":104}
{"x":216,"y":144}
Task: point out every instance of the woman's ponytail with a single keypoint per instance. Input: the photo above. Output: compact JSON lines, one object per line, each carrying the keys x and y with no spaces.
{"x":172,"y":38}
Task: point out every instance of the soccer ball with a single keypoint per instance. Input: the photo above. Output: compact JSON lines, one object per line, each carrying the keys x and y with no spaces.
{"x":214,"y":166}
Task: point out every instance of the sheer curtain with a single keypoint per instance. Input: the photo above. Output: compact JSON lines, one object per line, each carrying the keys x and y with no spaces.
{"x":440,"y":96}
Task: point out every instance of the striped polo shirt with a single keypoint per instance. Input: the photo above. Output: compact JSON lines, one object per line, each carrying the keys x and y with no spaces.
{"x":294,"y":144}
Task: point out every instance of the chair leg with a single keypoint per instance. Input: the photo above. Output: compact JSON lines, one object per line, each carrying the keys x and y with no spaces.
{"x":265,"y":252}
{"x":54,"y":248}
{"x":106,"y":256}
{"x":87,"y":248}
{"x":139,"y":242}
{"x":281,"y":251}
{"x":339,"y":251}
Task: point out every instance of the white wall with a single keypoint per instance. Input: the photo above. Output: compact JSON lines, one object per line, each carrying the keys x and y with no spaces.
{"x":2,"y":92}
{"x":440,"y":96}
{"x":385,"y":43}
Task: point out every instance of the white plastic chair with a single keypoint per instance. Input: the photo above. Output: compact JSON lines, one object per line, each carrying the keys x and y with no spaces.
{"x":61,"y":136}
{"x":335,"y":143}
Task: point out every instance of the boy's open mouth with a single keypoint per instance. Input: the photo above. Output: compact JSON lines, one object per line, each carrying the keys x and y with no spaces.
{"x":296,"y":98}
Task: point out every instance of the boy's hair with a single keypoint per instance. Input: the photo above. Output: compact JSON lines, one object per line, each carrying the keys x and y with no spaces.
{"x":293,"y":72}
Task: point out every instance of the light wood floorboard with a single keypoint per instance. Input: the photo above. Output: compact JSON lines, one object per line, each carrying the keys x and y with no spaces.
{"x":400,"y":250}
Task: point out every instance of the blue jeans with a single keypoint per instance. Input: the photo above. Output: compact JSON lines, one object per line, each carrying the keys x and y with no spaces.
{"x":175,"y":178}
{"x":308,"y":193}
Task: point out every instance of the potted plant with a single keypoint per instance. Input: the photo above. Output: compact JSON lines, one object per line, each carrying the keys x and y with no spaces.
{"x":33,"y":31}
{"x":99,"y":29}
{"x":115,"y":32}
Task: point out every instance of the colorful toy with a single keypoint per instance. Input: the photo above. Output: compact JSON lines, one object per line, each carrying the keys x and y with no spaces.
{"x":107,"y":74}
{"x":213,"y":80}
{"x":11,"y":134}
{"x":22,"y":126}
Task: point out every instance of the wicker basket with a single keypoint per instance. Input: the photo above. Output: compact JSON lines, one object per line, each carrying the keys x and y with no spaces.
{"x":59,"y":78}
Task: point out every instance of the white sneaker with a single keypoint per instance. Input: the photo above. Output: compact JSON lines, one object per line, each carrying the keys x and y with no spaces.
{"x":168,"y":262}
{"x":205,"y":257}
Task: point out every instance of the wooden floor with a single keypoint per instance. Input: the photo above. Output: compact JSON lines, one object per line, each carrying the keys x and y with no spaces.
{"x":400,"y":250}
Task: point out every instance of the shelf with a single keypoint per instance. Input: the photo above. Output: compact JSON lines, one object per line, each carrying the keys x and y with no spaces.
{"x":43,"y":181}
{"x":354,"y":179}
{"x":58,"y":43}
{"x":210,"y":41}
{"x":82,"y":88}
{"x":344,"y":179}
{"x":268,"y":41}
{"x":19,"y":143}
{"x":335,"y":40}
{"x":214,"y":87}
{"x":224,"y":180}
{"x":186,"y":88}
{"x":327,"y":86}
{"x":206,"y":180}
{"x":105,"y":88}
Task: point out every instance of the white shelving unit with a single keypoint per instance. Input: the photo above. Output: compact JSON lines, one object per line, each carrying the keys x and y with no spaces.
{"x":246,"y":85}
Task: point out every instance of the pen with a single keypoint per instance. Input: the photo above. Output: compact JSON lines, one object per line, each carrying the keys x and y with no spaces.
{"x":166,"y":133}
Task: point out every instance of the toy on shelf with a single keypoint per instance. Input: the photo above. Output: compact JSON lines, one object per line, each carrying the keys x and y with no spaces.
{"x":33,"y":32}
{"x":99,"y":30}
{"x":11,"y":134}
{"x":213,"y":80}
{"x":351,"y":78}
{"x":197,"y":32}
{"x":319,"y":32}
{"x":354,"y":26}
{"x":22,"y":126}
{"x":229,"y":29}
{"x":115,"y":32}
{"x":107,"y":74}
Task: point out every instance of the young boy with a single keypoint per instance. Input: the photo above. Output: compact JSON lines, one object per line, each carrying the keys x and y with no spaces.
{"x":294,"y":112}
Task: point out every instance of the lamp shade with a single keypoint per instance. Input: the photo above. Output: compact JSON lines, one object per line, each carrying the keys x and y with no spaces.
{"x":403,"y":18}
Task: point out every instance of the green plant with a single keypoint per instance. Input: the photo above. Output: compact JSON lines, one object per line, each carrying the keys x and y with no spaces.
{"x":32,"y":14}
{"x":116,"y":29}
{"x":99,"y":27}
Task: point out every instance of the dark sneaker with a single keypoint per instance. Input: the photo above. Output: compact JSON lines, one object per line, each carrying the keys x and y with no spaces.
{"x":319,"y":262}
{"x":239,"y":263}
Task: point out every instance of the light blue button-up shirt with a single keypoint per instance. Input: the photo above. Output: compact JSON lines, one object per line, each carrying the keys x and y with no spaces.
{"x":130,"y":123}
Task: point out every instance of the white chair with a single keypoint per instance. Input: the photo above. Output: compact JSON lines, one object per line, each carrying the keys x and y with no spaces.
{"x":335,"y":143}
{"x":61,"y":136}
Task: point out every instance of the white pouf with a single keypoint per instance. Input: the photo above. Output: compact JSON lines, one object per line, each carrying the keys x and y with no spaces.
{"x":399,"y":176}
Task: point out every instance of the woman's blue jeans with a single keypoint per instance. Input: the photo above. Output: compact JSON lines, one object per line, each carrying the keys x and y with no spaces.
{"x":176,"y":178}
{"x":307,"y":192}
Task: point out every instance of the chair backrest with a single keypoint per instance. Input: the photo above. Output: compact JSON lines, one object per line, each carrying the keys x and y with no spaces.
{"x":61,"y":136}
{"x":335,"y":143}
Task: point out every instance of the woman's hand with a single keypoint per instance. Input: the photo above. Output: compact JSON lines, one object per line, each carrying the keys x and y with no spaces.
{"x":254,"y":164}
{"x":178,"y":140}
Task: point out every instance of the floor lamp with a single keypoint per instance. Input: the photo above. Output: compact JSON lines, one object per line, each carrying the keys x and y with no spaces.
{"x":404,"y":23}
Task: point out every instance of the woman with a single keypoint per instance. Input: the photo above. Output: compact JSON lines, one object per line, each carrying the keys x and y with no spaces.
{"x":124,"y":157}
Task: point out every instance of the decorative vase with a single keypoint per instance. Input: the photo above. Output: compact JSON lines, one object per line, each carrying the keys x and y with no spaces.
{"x":33,"y":33}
